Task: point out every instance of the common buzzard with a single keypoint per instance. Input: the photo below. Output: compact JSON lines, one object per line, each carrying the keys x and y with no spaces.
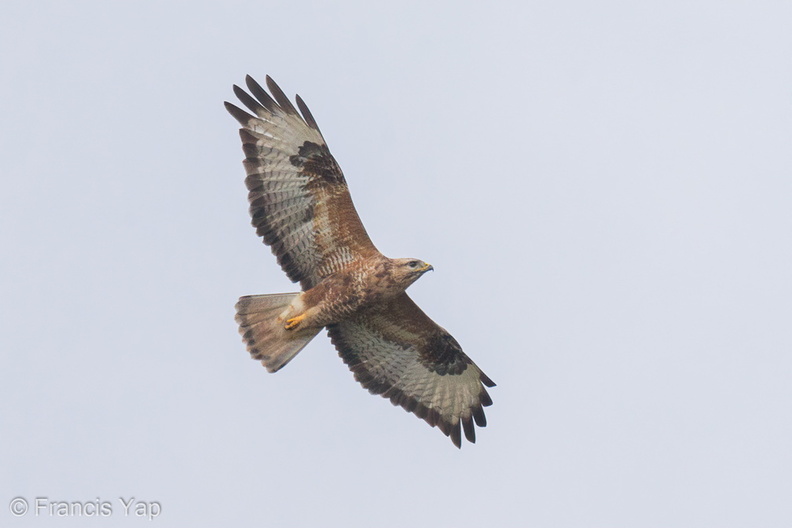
{"x":301,"y":207}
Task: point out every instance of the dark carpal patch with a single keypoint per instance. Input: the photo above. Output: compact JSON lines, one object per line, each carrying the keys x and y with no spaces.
{"x":316,"y":159}
{"x":444,"y":356}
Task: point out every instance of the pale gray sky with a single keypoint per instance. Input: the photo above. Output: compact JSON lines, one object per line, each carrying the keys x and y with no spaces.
{"x":604,"y":189}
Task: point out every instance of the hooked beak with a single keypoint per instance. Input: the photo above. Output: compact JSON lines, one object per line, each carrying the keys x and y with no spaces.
{"x":427,"y":267}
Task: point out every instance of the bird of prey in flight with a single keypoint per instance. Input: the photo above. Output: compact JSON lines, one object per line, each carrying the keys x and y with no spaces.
{"x":301,"y":206}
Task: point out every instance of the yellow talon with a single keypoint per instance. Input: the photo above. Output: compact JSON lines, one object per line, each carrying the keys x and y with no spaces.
{"x":294,"y":321}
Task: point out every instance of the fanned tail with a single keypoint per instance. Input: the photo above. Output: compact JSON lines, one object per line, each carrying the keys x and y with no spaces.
{"x":267,"y":339}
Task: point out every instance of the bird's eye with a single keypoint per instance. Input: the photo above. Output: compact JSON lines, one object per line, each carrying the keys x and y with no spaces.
{"x":413,"y":264}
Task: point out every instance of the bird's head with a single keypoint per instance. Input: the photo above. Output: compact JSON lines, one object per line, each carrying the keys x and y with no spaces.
{"x":408,"y":270}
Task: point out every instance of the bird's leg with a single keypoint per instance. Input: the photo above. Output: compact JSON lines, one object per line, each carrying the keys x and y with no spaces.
{"x":306,"y":309}
{"x":294,"y":321}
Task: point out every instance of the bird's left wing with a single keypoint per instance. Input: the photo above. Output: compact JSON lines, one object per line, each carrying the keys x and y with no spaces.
{"x":397,"y":351}
{"x":299,"y":200}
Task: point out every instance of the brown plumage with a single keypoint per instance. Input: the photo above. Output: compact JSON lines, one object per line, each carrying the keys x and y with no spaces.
{"x":300,"y":205}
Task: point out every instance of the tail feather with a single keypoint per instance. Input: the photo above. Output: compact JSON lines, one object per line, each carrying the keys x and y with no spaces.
{"x":267,"y":339}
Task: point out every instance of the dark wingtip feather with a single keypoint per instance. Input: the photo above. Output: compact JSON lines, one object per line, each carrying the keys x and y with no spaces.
{"x":470,"y":431}
{"x":479,"y":416}
{"x":260,"y":94}
{"x":238,"y":114}
{"x":456,"y":435}
{"x":485,"y":399}
{"x":486,"y":381}
{"x":309,"y":118}
{"x":253,"y":105}
{"x":280,"y":97}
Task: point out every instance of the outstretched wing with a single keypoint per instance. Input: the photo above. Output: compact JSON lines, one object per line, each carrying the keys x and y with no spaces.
{"x":299,"y":200}
{"x":397,"y":351}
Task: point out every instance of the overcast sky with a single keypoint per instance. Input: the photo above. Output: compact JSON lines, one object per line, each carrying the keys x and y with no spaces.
{"x":603,"y":188}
